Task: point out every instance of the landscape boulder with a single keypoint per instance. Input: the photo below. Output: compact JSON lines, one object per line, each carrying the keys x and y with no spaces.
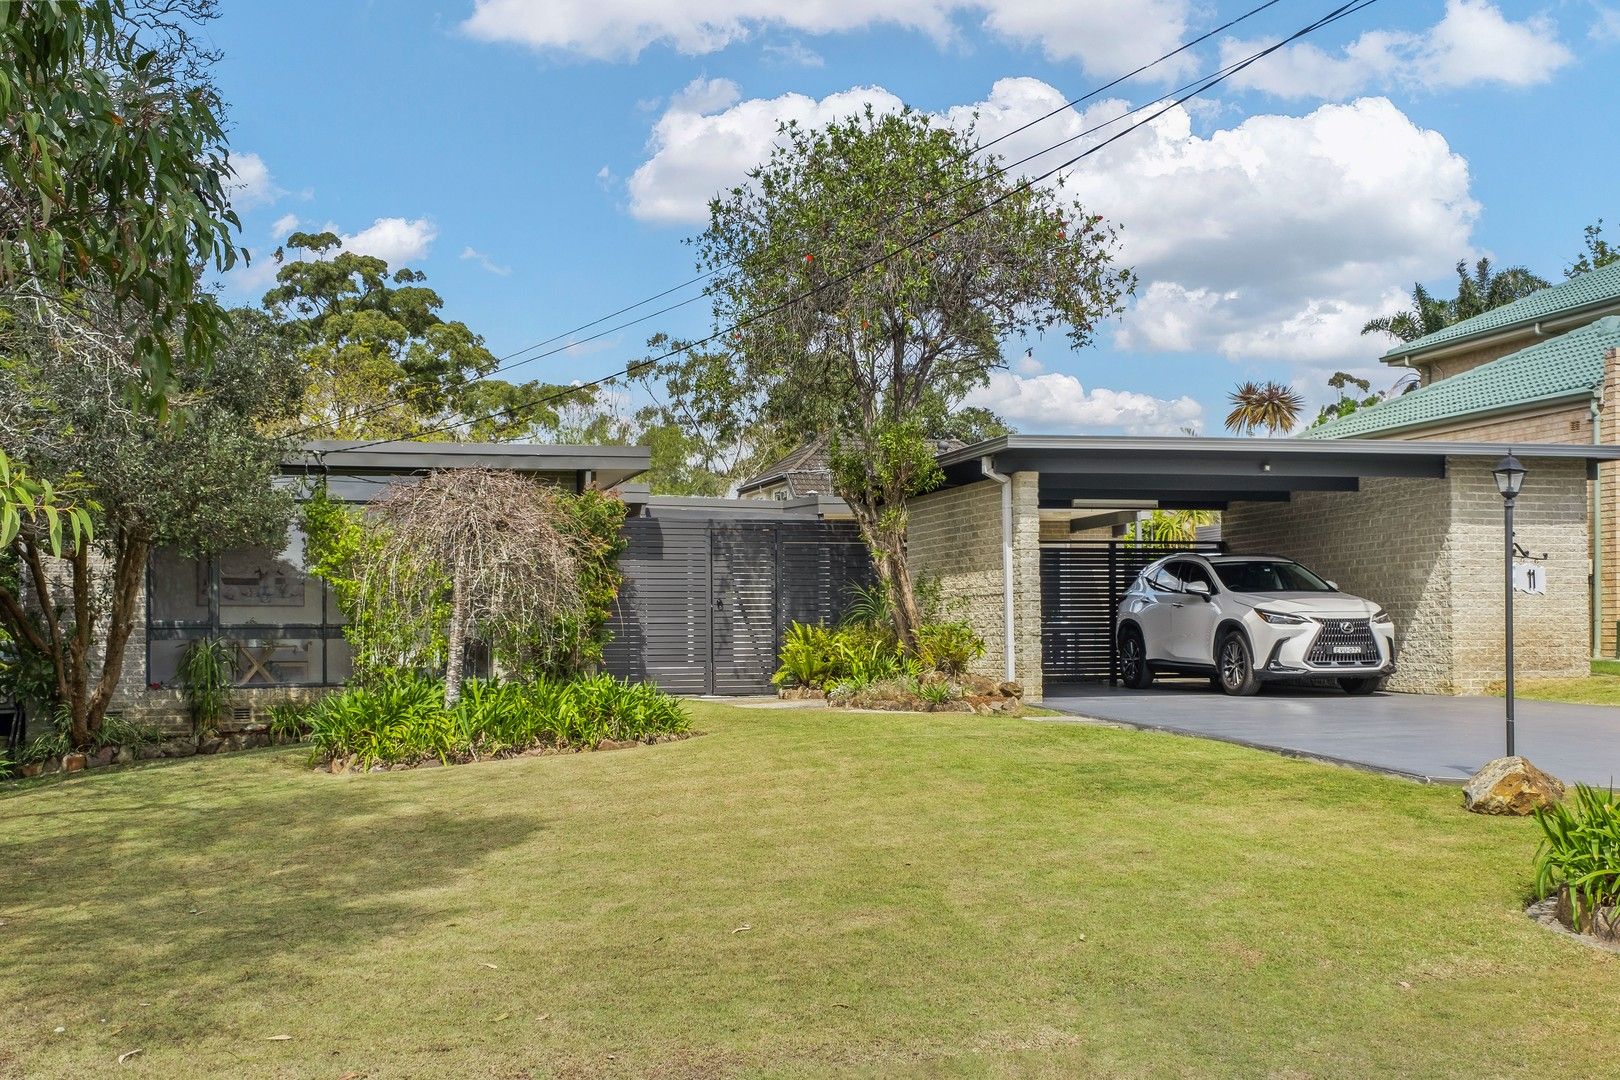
{"x":1512,"y":786}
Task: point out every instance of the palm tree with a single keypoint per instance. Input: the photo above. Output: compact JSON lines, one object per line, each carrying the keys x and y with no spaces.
{"x":1269,"y":405}
{"x":1480,"y":291}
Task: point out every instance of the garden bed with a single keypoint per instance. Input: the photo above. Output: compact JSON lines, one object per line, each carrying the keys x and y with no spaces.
{"x":339,"y":766}
{"x":934,"y":692}
{"x":1556,"y":913}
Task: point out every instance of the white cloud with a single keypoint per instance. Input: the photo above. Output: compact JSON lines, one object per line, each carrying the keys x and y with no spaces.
{"x":708,"y":139}
{"x":1472,"y":44}
{"x":1272,"y":239}
{"x":1605,"y":26}
{"x":1109,"y":37}
{"x":794,"y":54}
{"x":469,"y":252}
{"x":284,"y":226}
{"x":395,"y":240}
{"x":250,"y":184}
{"x":1055,"y":402}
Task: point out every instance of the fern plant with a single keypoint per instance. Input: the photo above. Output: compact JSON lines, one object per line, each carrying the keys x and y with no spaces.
{"x":810,"y":656}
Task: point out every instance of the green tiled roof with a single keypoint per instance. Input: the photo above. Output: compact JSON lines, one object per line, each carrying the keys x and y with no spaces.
{"x":1558,"y":367}
{"x":1591,"y":288}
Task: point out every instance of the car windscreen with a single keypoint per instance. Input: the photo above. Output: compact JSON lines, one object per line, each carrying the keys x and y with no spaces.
{"x":1268,"y":576}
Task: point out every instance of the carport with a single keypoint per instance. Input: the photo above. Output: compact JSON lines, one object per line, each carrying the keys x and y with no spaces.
{"x":1414,"y":525}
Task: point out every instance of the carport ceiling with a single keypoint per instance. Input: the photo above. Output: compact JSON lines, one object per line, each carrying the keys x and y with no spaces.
{"x":1210,"y":473}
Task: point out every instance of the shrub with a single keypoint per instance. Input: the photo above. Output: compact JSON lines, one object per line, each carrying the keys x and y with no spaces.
{"x":402,"y":719}
{"x":1580,"y":851}
{"x":207,"y":669}
{"x":811,"y":656}
{"x":949,"y":647}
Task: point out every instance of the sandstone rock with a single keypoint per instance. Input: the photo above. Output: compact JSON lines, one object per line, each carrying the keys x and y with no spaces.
{"x":103,"y":757}
{"x":212,"y":744}
{"x":124,"y":756}
{"x":1510,"y":785}
{"x":1603,"y":924}
{"x":74,"y":762}
{"x":1011,"y":689}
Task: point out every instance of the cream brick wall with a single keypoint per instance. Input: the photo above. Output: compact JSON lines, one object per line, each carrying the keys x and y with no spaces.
{"x":1430,"y":551}
{"x":955,"y":537}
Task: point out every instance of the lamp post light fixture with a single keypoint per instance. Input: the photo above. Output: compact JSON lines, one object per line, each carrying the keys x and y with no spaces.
{"x":1509,"y":480}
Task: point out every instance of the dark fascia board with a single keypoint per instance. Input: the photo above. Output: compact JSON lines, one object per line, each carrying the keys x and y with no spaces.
{"x":811,"y":506}
{"x":612,"y":464}
{"x":1135,"y":455}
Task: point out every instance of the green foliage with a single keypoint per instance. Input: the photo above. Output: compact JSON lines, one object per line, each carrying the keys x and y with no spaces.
{"x":288,"y":723}
{"x":574,"y":643}
{"x":861,"y":653}
{"x":1273,"y":406}
{"x":207,"y":669}
{"x":40,"y":506}
{"x":935,"y":692}
{"x":849,"y":323}
{"x":1597,"y":252}
{"x":948,"y":647}
{"x":402,"y":719}
{"x":867,"y":605}
{"x":113,"y":165}
{"x":383,"y":636}
{"x":1481,"y":291}
{"x":810,"y":656}
{"x":1580,"y":850}
{"x":1169,"y":526}
{"x":378,"y":360}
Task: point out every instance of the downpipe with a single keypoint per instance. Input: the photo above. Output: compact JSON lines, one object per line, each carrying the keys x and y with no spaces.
{"x":987,"y":465}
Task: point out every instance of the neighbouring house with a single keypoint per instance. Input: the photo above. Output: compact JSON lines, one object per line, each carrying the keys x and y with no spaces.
{"x":802,"y":472}
{"x":1540,"y":370}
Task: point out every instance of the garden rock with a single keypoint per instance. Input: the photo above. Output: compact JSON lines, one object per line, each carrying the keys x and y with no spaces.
{"x":74,"y":762}
{"x":1511,"y":786}
{"x":211,"y":745}
{"x":1603,"y":924}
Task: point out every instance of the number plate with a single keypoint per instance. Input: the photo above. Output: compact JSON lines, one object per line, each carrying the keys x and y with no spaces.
{"x":1346,"y":649}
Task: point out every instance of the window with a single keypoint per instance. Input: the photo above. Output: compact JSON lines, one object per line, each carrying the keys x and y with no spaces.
{"x":284,"y":626}
{"x":1188,"y":572}
{"x":1269,"y":576}
{"x":1164,"y":579}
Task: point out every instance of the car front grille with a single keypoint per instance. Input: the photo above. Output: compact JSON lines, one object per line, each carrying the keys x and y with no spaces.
{"x":1343,"y":643}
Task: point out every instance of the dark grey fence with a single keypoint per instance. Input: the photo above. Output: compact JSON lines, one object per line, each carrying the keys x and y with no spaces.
{"x":705,"y":601}
{"x":1082,"y":583}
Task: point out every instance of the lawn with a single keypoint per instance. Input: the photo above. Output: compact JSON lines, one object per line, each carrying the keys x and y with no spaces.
{"x":796,"y":893}
{"x":1602,"y":687}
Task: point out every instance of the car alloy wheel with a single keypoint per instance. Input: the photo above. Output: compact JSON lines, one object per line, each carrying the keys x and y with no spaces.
{"x":1236,"y":669}
{"x":1130,"y":660}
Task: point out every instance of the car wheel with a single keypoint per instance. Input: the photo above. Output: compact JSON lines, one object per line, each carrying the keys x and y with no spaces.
{"x":1368,"y":684}
{"x":1133,"y":665}
{"x":1236,"y":666}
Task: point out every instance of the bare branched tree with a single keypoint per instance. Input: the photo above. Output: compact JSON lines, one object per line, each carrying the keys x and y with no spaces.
{"x":496,"y":540}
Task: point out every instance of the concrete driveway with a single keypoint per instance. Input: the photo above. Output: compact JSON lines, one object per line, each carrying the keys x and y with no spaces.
{"x":1426,"y":737}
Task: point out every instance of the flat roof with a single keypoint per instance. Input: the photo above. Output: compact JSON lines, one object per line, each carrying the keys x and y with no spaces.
{"x":613,"y":465}
{"x":1208,"y":473}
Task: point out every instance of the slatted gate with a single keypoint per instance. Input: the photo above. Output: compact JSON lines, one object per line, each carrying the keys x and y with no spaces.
{"x":704,"y":603}
{"x":1082,"y":582}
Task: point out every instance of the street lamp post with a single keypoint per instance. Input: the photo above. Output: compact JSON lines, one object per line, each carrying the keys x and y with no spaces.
{"x":1509,"y":480}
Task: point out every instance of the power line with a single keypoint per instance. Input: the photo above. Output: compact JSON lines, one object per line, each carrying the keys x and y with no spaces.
{"x":1342,"y":11}
{"x":502,"y":365}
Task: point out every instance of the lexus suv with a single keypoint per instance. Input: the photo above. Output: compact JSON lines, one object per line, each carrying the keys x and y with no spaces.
{"x":1243,"y":620}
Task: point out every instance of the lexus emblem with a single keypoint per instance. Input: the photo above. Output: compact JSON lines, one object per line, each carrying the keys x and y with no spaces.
{"x":1346,"y":627}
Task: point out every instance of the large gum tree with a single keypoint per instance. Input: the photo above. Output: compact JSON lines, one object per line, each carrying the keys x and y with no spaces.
{"x":874,"y":268}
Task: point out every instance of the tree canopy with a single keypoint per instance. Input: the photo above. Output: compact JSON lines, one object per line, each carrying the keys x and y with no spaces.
{"x":874,"y":267}
{"x":1596,"y":252}
{"x":1477,"y":292}
{"x":114,"y":168}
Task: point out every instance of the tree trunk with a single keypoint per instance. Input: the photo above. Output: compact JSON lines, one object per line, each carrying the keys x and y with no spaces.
{"x":457,"y":645}
{"x":887,"y":544}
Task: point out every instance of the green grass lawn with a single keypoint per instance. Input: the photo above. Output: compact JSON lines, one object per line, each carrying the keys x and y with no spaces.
{"x":1588,"y":690}
{"x":797,"y":893}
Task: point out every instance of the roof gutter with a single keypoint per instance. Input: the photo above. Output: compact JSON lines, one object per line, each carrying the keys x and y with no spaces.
{"x":987,"y":465}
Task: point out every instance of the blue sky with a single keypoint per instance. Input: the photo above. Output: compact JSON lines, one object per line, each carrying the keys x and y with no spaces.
{"x":542,"y":160}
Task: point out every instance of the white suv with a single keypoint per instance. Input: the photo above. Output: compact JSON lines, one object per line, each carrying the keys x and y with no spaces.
{"x":1247,"y":619}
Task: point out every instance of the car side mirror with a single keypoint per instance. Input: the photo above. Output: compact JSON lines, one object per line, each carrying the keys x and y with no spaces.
{"x":1198,"y":588}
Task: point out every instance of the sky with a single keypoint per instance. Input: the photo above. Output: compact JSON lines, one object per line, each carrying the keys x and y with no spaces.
{"x":544,"y":161}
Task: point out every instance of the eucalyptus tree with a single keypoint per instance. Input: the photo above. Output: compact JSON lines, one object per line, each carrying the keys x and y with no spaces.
{"x":114,"y":168}
{"x":877,"y":264}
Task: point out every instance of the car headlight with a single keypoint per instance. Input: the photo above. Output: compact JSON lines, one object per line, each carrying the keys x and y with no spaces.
{"x":1382,"y":617}
{"x":1279,"y":618}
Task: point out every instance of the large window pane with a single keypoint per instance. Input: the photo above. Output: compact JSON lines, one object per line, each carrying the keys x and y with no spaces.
{"x":258,"y":587}
{"x":179,"y":587}
{"x":339,"y":662}
{"x":277,"y":660}
{"x":163,"y":666}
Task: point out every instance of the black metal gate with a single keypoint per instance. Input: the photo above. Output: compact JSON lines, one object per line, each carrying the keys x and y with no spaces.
{"x":704,"y":602}
{"x":1082,"y":582}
